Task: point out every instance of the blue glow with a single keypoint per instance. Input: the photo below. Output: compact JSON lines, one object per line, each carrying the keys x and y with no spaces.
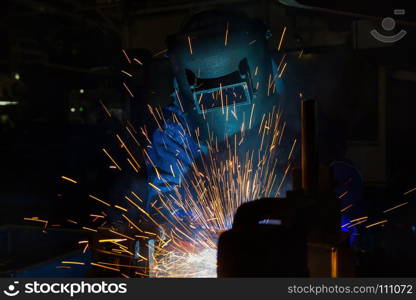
{"x":344,"y":227}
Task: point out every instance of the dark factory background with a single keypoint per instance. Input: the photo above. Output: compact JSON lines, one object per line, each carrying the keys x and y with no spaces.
{"x":61,"y":62}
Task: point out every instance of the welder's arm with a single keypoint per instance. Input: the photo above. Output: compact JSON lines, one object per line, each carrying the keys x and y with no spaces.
{"x":170,"y":156}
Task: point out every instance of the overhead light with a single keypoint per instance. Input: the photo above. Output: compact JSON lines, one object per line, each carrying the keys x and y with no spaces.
{"x":17,"y":76}
{"x":81,"y":91}
{"x":5,"y":103}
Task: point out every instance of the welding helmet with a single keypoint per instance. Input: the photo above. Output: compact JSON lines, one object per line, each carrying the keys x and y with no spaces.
{"x":224,"y":78}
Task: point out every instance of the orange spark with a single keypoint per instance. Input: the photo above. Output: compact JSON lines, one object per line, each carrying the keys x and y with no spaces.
{"x":126,"y":56}
{"x":128,"y":90}
{"x":281,"y":38}
{"x":189,"y":45}
{"x":69,"y":179}
{"x":99,"y":200}
{"x":72,"y":262}
{"x":376,"y":223}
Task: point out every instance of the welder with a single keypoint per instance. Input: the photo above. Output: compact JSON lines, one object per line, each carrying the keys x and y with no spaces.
{"x":225,"y":80}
